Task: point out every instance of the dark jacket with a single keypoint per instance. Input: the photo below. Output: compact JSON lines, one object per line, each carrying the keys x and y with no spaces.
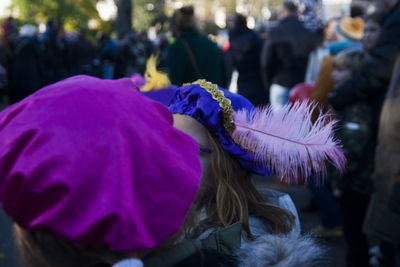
{"x":383,"y":216}
{"x":51,"y":54}
{"x":82,"y":55}
{"x":207,"y":54}
{"x":355,"y":134}
{"x":371,"y":81}
{"x":285,"y":53}
{"x":244,"y":55}
{"x":27,"y":74}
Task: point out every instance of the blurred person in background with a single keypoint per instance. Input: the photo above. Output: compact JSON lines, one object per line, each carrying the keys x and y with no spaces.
{"x":8,"y":40}
{"x":108,"y":51}
{"x":382,"y":220}
{"x":347,"y":34}
{"x":124,"y":57}
{"x":144,"y":48}
{"x":372,"y":80}
{"x":383,"y":216}
{"x":372,"y":31}
{"x":65,"y":47}
{"x":354,"y":187}
{"x":27,"y":71}
{"x":322,"y":51}
{"x":10,"y":34}
{"x":285,"y":54}
{"x":3,"y":74}
{"x":82,"y":55}
{"x":192,"y":55}
{"x":307,"y":11}
{"x":370,"y":83}
{"x":51,"y":54}
{"x":244,"y":55}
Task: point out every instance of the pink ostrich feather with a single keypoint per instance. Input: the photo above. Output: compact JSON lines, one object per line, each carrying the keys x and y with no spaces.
{"x":288,"y":141}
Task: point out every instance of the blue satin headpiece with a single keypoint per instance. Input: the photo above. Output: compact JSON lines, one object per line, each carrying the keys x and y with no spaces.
{"x":213,"y":107}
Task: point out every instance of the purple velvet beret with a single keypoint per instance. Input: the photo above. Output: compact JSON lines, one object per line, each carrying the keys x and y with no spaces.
{"x":98,"y":164}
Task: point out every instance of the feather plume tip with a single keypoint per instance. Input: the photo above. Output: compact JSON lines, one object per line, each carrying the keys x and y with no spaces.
{"x":288,"y":141}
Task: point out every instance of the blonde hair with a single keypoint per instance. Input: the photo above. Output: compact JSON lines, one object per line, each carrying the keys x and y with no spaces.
{"x":232,"y":197}
{"x":351,"y":60}
{"x":44,"y":249}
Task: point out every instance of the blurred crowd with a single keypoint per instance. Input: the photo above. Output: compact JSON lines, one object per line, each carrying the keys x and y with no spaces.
{"x":346,"y":67}
{"x":31,"y":60}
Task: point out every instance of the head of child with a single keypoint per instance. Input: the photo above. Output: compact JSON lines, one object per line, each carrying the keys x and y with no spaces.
{"x":372,"y":31}
{"x":226,"y":193}
{"x":345,"y":64}
{"x":86,"y":169}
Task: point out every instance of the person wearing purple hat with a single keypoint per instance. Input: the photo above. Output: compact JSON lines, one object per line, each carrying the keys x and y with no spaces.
{"x":92,"y":172}
{"x":236,"y":139}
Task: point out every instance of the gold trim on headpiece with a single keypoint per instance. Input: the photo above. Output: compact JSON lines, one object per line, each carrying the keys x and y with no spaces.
{"x":224,"y":102}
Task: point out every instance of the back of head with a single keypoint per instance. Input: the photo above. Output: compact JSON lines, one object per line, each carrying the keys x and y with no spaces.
{"x":356,"y":10}
{"x":290,"y":7}
{"x":184,"y":19}
{"x":240,"y":20}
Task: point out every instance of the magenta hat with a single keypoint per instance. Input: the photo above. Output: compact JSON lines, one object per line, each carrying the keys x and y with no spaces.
{"x":98,"y":164}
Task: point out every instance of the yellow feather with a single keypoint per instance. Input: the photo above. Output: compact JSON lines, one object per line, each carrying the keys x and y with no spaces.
{"x":155,"y":80}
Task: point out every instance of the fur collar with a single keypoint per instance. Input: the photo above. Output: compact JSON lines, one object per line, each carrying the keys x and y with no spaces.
{"x":281,"y":251}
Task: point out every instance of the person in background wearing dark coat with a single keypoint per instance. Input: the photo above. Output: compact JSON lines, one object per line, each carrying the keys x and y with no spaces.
{"x":285,"y":54}
{"x":370,"y":84}
{"x":64,"y":45}
{"x":125,"y":58}
{"x":193,"y":56}
{"x":354,"y":186}
{"x":82,"y":55}
{"x":3,"y":74}
{"x":108,"y":51}
{"x":51,"y":54}
{"x":383,"y":216}
{"x":8,"y":41}
{"x":244,"y":55}
{"x":27,"y":73}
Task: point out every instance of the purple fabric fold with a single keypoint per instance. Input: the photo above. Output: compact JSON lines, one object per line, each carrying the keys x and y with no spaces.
{"x":96,"y":163}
